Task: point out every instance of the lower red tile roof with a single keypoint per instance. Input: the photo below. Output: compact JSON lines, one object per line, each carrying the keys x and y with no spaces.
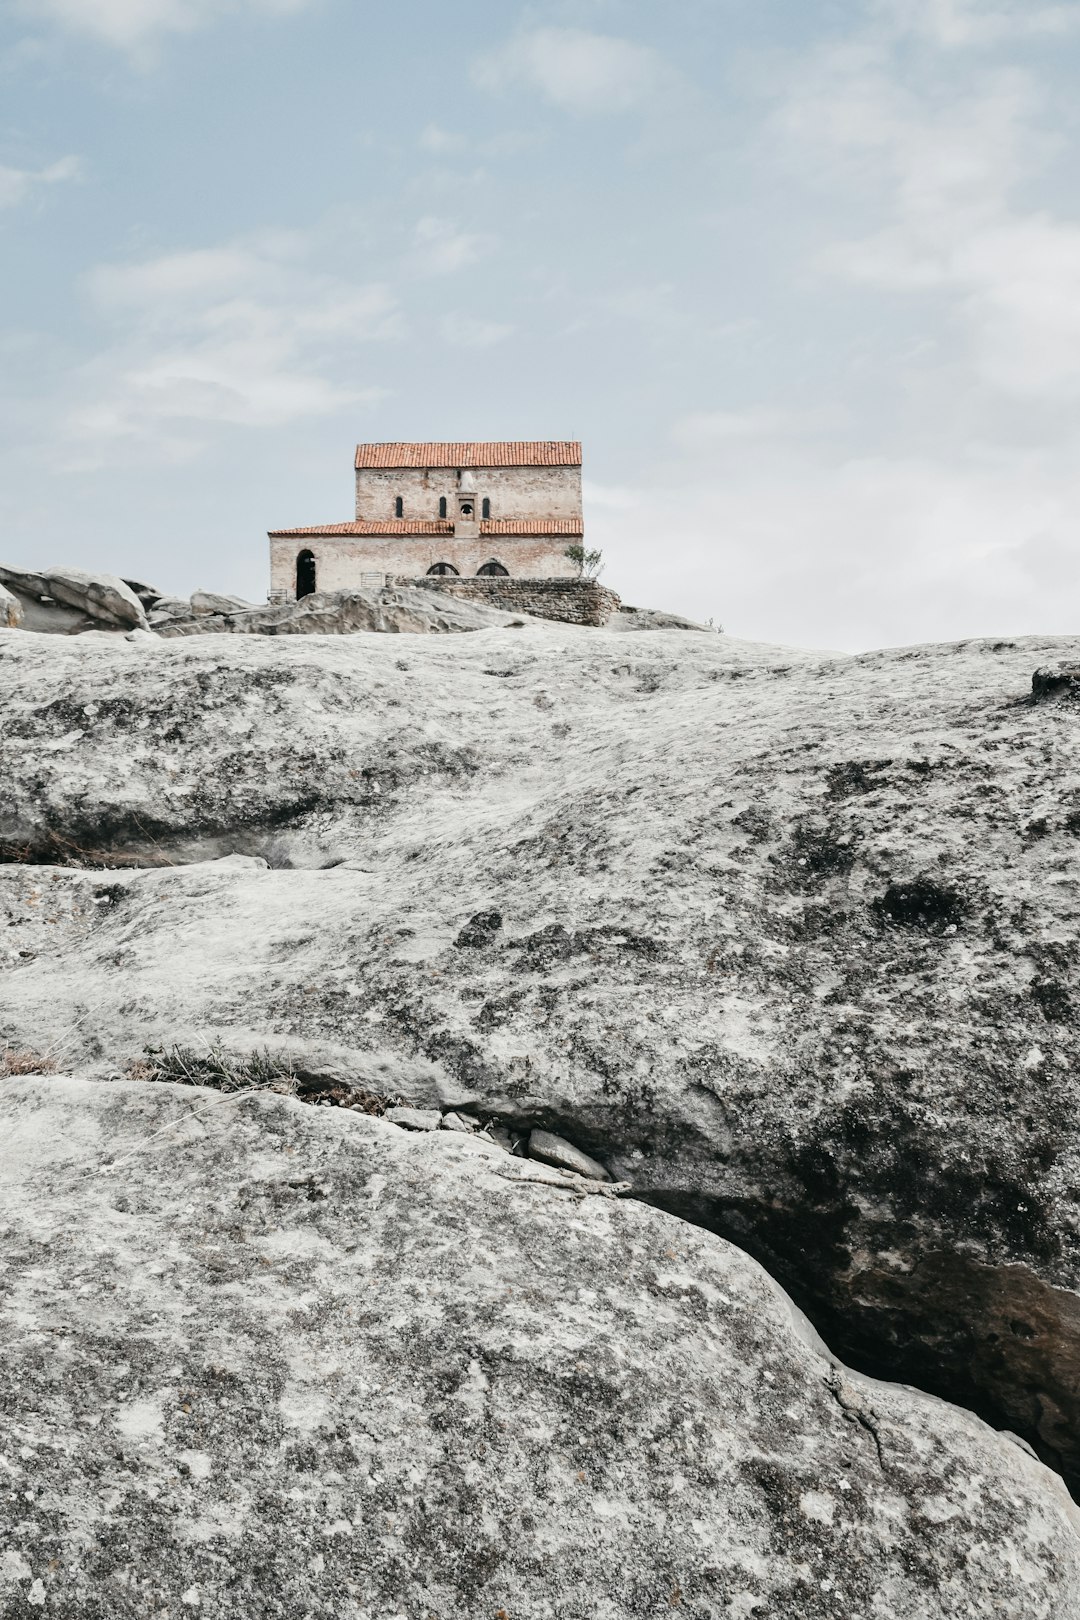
{"x":368,"y":526}
{"x":529,"y":526}
{"x":524,"y":528}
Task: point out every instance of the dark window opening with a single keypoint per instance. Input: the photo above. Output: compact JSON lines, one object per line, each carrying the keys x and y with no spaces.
{"x":442,"y":568}
{"x":305,"y":574}
{"x":399,"y":506}
{"x":485,"y":510}
{"x":494,"y":568}
{"x":442,"y":506}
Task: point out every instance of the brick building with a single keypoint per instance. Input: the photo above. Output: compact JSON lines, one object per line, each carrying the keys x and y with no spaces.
{"x":493,"y":510}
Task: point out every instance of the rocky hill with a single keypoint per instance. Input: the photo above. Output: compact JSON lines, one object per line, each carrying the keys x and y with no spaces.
{"x":785,"y":941}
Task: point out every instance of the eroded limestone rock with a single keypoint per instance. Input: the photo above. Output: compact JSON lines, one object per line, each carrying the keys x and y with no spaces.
{"x":281,"y":1360}
{"x":788,"y":941}
{"x":204,"y":603}
{"x":394,"y":611}
{"x":102,"y":596}
{"x":11,"y":609}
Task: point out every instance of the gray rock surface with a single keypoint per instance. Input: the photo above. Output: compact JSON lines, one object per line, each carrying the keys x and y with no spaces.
{"x":554,"y":1149}
{"x":25,"y":582}
{"x":415,"y":1119}
{"x":11,"y":609}
{"x":788,"y":941}
{"x":167,"y":608}
{"x":459,"y":1122}
{"x":41,"y":612}
{"x":102,"y":596}
{"x":394,"y":610}
{"x":204,"y":603}
{"x":632,"y":618}
{"x":278,"y":1361}
{"x":148,"y":595}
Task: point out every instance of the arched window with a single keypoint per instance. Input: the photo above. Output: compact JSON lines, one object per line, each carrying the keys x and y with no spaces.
{"x":442,"y":506}
{"x":494,"y":567}
{"x":305,"y":574}
{"x":399,"y":506}
{"x":485,"y":510}
{"x":442,"y":568}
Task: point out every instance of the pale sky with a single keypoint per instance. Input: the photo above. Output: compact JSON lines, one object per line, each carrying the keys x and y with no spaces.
{"x":803,"y":275}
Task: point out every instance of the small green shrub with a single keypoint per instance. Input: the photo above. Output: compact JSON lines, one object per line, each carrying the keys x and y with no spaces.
{"x":591,"y":562}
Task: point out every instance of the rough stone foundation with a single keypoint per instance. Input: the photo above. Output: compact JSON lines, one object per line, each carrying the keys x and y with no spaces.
{"x":573,"y":601}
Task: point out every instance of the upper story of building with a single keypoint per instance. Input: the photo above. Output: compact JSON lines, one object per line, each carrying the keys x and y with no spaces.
{"x":470,"y":483}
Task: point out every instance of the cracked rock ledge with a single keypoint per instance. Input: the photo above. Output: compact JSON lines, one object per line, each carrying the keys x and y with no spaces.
{"x":655,"y":1006}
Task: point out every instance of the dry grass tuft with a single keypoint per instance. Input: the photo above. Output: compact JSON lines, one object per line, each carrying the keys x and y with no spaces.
{"x":24,"y":1062}
{"x":260,"y":1070}
{"x":217,"y":1068}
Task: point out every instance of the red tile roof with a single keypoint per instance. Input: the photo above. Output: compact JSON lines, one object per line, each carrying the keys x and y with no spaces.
{"x":521,"y":527}
{"x":370,"y":526}
{"x":530,"y":526}
{"x":469,"y":453}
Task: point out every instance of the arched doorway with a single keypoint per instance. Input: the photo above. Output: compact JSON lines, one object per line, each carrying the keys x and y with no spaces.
{"x":494,"y":567}
{"x":442,"y":568}
{"x":305,"y":574}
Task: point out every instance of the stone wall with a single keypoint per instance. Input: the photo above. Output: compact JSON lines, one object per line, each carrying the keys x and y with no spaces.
{"x":515,"y":492}
{"x":342,"y":561}
{"x":572,"y":601}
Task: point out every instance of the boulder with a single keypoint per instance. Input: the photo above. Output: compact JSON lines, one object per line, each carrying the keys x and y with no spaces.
{"x":11,"y":610}
{"x":205,"y":603}
{"x":789,"y":939}
{"x":557,"y":1150}
{"x":101,"y":596}
{"x":168,"y":608}
{"x":465,"y":1123}
{"x":43,"y":613}
{"x":277,"y":1360}
{"x":415,"y":1119}
{"x":147,"y":594}
{"x":25,"y":583}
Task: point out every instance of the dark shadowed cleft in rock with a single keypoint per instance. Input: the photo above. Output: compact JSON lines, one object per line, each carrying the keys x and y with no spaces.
{"x":923,"y":905}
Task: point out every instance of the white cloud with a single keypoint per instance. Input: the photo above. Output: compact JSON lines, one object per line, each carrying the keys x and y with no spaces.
{"x":941,"y":161}
{"x":243,"y":333}
{"x":18,"y":185}
{"x":816,"y":546}
{"x":583,"y":72}
{"x":440,"y":247}
{"x":470,"y":332}
{"x":712,"y":430}
{"x":975,"y":22}
{"x":433,"y":138}
{"x":131,"y":24}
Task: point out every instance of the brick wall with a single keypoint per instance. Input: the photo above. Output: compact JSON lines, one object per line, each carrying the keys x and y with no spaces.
{"x":341,"y":560}
{"x":572,"y":601}
{"x":522,"y":492}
